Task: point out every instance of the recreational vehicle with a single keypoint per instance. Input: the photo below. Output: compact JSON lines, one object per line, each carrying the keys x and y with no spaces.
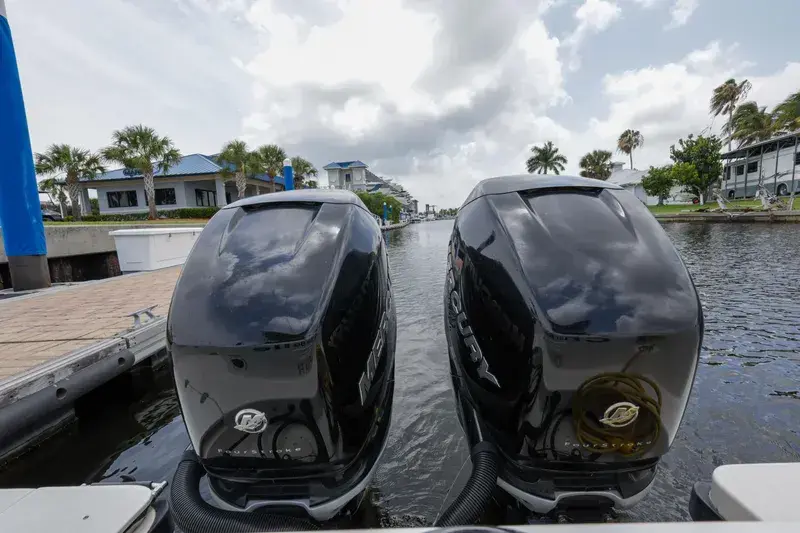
{"x":773,"y":164}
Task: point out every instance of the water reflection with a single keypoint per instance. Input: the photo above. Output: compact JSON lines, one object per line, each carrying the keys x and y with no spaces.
{"x":745,"y":405}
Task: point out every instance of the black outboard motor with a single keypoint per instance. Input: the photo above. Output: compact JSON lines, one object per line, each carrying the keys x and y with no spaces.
{"x":282,"y":336}
{"x":574,"y":331}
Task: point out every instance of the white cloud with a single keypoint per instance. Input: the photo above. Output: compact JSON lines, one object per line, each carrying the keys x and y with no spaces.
{"x":428,"y":92}
{"x":390,"y":85}
{"x":670,"y":101}
{"x":682,"y":10}
{"x":593,"y":16}
{"x":82,"y":79}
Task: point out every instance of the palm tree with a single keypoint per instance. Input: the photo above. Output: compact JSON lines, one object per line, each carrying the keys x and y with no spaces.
{"x":629,"y":141}
{"x":272,"y":157}
{"x":75,"y":163}
{"x":725,"y":99}
{"x":303,"y":170}
{"x":752,"y":124}
{"x":141,"y":148}
{"x":56,"y":188}
{"x":239,"y":162}
{"x":596,"y":164}
{"x":787,"y":113}
{"x":546,"y":158}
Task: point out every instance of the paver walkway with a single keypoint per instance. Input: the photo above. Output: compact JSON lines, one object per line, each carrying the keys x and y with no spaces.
{"x":37,"y":329}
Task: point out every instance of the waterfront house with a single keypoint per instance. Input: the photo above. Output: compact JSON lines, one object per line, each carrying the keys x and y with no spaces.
{"x":347,"y":175}
{"x":196,"y":181}
{"x":356,"y":176}
{"x":631,"y":180}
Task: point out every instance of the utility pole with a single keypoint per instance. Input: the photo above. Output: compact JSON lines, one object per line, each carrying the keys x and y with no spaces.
{"x":20,"y":211}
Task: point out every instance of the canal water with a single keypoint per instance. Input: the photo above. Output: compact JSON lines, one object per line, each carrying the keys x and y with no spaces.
{"x":745,"y":405}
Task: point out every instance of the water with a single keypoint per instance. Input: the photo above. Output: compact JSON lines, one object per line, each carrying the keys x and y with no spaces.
{"x":745,"y":406}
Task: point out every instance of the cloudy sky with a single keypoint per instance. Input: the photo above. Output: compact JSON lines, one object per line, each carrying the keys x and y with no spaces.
{"x":437,"y":94}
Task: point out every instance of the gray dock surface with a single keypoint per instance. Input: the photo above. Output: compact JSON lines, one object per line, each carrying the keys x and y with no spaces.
{"x":60,"y":343}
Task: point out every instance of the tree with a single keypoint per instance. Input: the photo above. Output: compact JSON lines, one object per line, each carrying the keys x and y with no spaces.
{"x":545,"y":159}
{"x":703,"y":153}
{"x":629,"y":141}
{"x":303,"y":170}
{"x":752,"y":124}
{"x":596,"y":164}
{"x":311,"y":184}
{"x":272,"y":157}
{"x":75,"y":163}
{"x":725,"y":99}
{"x":374,"y":202}
{"x":239,"y":162}
{"x":141,"y":148}
{"x":686,"y":174}
{"x":56,"y":188}
{"x":659,"y":182}
{"x":787,"y":114}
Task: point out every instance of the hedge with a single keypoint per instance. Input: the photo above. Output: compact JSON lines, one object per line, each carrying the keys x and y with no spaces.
{"x":184,"y":212}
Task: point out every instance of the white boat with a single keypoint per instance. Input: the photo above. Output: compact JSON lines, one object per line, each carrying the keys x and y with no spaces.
{"x":750,"y":498}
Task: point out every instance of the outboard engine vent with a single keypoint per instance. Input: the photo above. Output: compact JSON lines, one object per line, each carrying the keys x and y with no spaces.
{"x":574,"y":331}
{"x":282,"y":335}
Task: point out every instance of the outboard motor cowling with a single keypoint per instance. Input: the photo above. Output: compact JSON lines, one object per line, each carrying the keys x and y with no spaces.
{"x":574,"y":332}
{"x":282,"y":335}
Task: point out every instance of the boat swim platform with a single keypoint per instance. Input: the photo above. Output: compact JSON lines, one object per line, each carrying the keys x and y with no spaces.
{"x":60,"y":343}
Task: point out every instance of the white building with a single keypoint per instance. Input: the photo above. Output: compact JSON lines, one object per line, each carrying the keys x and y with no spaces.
{"x":631,"y":180}
{"x":356,"y":176}
{"x":348,"y":175}
{"x":196,"y":181}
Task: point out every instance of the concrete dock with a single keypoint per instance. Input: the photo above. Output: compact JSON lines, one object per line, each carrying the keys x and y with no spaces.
{"x":763,"y":217}
{"x":60,"y":343}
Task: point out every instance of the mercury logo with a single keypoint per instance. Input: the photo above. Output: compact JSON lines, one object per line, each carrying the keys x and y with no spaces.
{"x":250,"y":421}
{"x":620,"y":414}
{"x":476,"y":355}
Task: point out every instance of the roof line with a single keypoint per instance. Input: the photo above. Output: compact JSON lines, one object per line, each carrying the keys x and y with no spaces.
{"x":206,"y":158}
{"x":745,"y":149}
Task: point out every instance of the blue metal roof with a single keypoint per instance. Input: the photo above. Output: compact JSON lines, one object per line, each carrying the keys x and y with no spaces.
{"x":344,"y":164}
{"x":189,"y":165}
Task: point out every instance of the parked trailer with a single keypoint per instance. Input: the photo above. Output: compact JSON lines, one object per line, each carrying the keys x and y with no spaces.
{"x":774,"y":163}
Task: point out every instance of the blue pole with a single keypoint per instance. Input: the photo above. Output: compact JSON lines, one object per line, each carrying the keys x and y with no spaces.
{"x":384,"y":213}
{"x":288,"y":175}
{"x":20,"y":211}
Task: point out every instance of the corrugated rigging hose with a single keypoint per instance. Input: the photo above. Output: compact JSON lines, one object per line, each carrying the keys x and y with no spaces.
{"x":467,"y":508}
{"x":192,"y":514}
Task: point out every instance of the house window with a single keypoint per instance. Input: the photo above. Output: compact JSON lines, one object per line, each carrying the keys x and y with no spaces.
{"x":727,"y":173}
{"x":122,"y":199}
{"x":740,"y":170}
{"x":165,"y":197}
{"x":347,"y":178}
{"x":752,"y":166}
{"x":797,"y":158}
{"x":205,"y":198}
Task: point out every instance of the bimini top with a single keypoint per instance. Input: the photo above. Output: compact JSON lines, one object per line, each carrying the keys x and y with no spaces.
{"x":318,"y":196}
{"x":527,"y":182}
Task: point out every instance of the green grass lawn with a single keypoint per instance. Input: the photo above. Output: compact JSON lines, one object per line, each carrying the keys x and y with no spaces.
{"x":162,"y":222}
{"x":734,"y":204}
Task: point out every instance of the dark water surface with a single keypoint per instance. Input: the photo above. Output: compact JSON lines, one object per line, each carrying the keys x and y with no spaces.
{"x":745,"y":405}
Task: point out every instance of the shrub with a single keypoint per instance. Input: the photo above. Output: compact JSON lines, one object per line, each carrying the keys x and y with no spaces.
{"x":190,"y":212}
{"x":186,"y":212}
